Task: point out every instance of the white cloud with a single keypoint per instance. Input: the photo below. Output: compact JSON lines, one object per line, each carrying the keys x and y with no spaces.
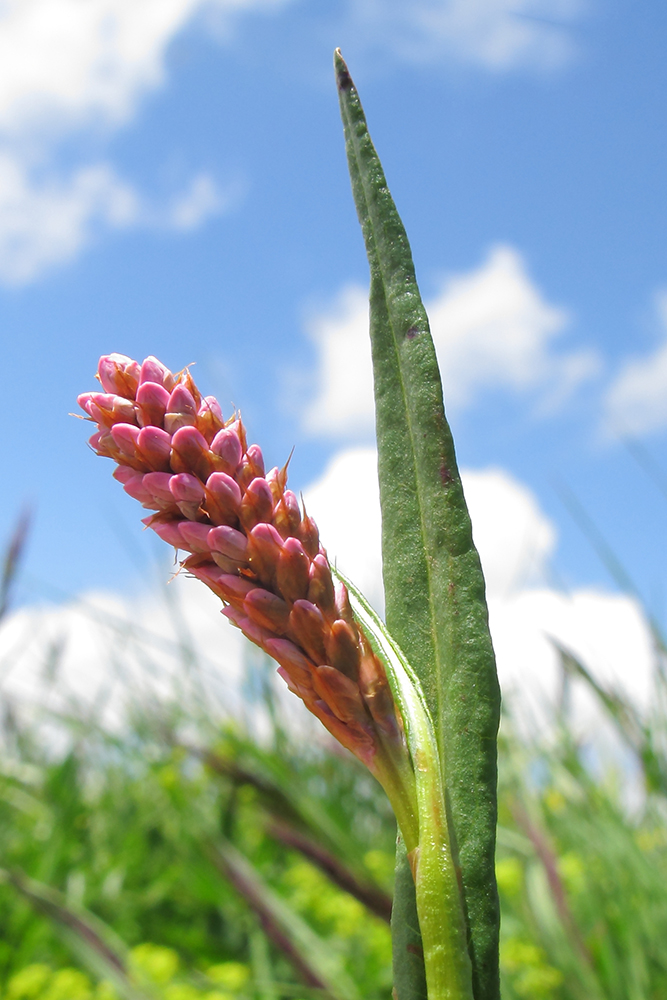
{"x":498,"y":35}
{"x":68,"y":65}
{"x":46,"y":220}
{"x":492,"y":328}
{"x":636,"y":401}
{"x":64,"y":63}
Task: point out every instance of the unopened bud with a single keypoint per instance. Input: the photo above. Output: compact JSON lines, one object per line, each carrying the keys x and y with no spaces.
{"x":209,"y":418}
{"x":309,"y":536}
{"x":189,"y":453}
{"x":267,"y":610}
{"x":228,"y":542}
{"x":157,"y":484}
{"x":154,"y":446}
{"x":292,"y":576}
{"x":308,"y":628}
{"x":118,"y":374}
{"x":181,"y":410}
{"x":188,"y":493}
{"x":286,"y":514}
{"x":195,"y":536}
{"x":125,"y":437}
{"x":264,"y":548}
{"x":321,"y":588}
{"x":223,"y":498}
{"x":257,"y":504}
{"x":152,"y":400}
{"x":342,"y":649}
{"x":168,"y":532}
{"x":153,"y":370}
{"x":227,"y":447}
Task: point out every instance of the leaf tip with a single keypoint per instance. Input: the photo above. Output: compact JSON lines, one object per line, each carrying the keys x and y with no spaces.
{"x":343,"y":78}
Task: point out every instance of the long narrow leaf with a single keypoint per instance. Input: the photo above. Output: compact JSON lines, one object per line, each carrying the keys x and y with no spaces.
{"x":91,"y":939}
{"x":434,"y":588}
{"x":313,"y":959}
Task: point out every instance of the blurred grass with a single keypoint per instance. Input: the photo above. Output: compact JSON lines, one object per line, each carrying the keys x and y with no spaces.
{"x":184,"y":858}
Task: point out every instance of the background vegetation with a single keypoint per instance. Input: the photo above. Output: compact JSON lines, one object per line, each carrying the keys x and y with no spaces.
{"x":184,"y":857}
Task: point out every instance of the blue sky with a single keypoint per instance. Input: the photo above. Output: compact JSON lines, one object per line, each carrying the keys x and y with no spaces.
{"x":173,"y":182}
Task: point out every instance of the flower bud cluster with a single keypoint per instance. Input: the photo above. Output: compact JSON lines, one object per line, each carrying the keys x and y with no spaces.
{"x":247,"y":540}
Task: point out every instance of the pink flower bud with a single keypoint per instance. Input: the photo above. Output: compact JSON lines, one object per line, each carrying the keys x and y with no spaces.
{"x":209,"y":417}
{"x":134,"y":487}
{"x":226,"y":564}
{"x":223,"y":498}
{"x":152,"y":401}
{"x":189,"y":453}
{"x":186,"y":487}
{"x":292,"y":575}
{"x":181,"y":410}
{"x":309,"y":536}
{"x":227,"y":447}
{"x":194,"y":535}
{"x":125,"y":437}
{"x":228,"y":542}
{"x":290,"y":657}
{"x":342,"y":648}
{"x":157,"y":484}
{"x":257,"y":504}
{"x":108,"y":408}
{"x":321,"y":588}
{"x":102,"y":443}
{"x":307,"y":626}
{"x":154,"y":446}
{"x":153,"y":370}
{"x":169,"y":532}
{"x":286,"y":514}
{"x":342,"y":696}
{"x":118,"y":374}
{"x":267,"y":609}
{"x":255,"y":457}
{"x":264,"y":547}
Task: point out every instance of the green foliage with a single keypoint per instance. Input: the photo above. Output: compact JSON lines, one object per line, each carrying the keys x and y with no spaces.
{"x":434,"y":588}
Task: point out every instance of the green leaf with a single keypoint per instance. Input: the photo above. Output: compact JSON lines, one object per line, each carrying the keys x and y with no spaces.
{"x":316,"y":961}
{"x":434,"y":588}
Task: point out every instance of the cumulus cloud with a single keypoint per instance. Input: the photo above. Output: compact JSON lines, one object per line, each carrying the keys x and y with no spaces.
{"x":492,"y":328}
{"x":636,"y":401}
{"x":498,"y":35}
{"x":66,"y":66}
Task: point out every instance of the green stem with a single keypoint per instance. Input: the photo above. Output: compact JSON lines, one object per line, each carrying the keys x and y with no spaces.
{"x":424,"y":828}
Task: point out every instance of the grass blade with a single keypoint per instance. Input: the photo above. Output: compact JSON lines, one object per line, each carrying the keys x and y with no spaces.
{"x":312,"y":958}
{"x":434,"y":588}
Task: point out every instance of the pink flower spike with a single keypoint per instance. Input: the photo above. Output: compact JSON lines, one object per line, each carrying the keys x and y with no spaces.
{"x":154,"y":446}
{"x":118,"y":374}
{"x":157,"y":483}
{"x":228,"y":542}
{"x":152,"y":401}
{"x":126,"y":436}
{"x":194,"y":535}
{"x":168,"y":532}
{"x":153,"y":370}
{"x":186,"y":487}
{"x":227,"y":446}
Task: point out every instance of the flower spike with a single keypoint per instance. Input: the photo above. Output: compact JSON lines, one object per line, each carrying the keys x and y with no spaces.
{"x":249,"y":541}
